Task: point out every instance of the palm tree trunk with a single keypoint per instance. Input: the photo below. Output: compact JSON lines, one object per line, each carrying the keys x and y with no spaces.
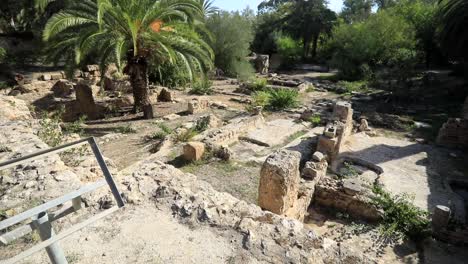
{"x":137,"y":69}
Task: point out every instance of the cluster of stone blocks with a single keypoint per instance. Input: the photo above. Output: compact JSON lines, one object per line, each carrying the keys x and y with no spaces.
{"x":454,"y":133}
{"x":337,"y":131}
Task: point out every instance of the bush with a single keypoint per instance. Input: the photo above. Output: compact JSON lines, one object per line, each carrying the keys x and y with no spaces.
{"x":401,"y":217}
{"x":202,"y":86}
{"x":354,"y":86}
{"x":283,"y":99}
{"x":366,"y":45}
{"x":258,"y":84}
{"x":261,"y":98}
{"x":290,"y":51}
{"x":233,"y":34}
{"x":316,"y":120}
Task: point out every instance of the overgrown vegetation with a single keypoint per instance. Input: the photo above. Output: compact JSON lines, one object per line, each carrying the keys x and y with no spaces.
{"x":316,"y":120}
{"x":128,"y":129}
{"x":50,"y":130}
{"x":401,"y":217}
{"x":202,"y":86}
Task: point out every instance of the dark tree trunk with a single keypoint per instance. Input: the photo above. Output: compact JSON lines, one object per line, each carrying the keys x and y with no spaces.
{"x":137,"y":69}
{"x":314,"y":46}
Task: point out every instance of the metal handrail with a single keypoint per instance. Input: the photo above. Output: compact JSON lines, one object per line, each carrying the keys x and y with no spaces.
{"x":41,"y":221}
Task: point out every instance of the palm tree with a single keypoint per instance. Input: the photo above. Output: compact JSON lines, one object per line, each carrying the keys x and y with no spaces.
{"x":138,"y":33}
{"x":454,"y":33}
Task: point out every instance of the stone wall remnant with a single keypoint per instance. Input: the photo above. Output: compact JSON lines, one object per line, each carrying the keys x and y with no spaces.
{"x":62,"y":88}
{"x":85,"y":101}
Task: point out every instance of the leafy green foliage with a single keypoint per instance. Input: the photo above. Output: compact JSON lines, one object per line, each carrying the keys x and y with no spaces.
{"x":356,"y":10}
{"x":316,"y":120}
{"x":172,"y":75}
{"x":289,"y":49}
{"x":356,"y":86}
{"x":281,"y":99}
{"x":233,"y":34}
{"x":365,"y":45}
{"x":401,"y":216}
{"x":50,"y":131}
{"x":76,"y":127}
{"x":261,"y":98}
{"x":165,"y":128}
{"x":258,"y":84}
{"x":202,"y":86}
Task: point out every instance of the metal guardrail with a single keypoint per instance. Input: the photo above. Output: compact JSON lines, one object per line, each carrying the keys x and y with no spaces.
{"x":40,"y":219}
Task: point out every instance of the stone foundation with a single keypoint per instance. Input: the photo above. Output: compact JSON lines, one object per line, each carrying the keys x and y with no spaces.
{"x":454,"y":133}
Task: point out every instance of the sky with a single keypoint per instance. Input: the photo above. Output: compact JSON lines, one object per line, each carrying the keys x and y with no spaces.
{"x":233,"y":5}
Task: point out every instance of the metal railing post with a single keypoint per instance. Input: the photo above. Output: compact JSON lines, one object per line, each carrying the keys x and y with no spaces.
{"x":41,"y":222}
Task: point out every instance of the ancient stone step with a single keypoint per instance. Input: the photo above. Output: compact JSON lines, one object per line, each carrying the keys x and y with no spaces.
{"x":274,"y":133}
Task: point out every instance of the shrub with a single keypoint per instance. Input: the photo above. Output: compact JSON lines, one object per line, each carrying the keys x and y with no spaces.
{"x":261,"y":98}
{"x":316,"y":120}
{"x":289,"y":49}
{"x":372,"y":42}
{"x":165,"y":128}
{"x":50,"y":131}
{"x":202,"y":86}
{"x":258,"y":84}
{"x":233,"y":34}
{"x":354,"y":86}
{"x":186,"y":135}
{"x":172,"y":75}
{"x":283,"y":99}
{"x":401,"y":217}
{"x":76,"y":127}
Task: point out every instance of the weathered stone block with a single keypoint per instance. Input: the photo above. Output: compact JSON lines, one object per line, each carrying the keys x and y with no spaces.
{"x":193,"y":151}
{"x":62,"y":88}
{"x":196,"y":106}
{"x":343,"y":111}
{"x":315,"y":170}
{"x":327,"y":146}
{"x":279,"y":181}
{"x":166,"y":96}
{"x":318,"y":156}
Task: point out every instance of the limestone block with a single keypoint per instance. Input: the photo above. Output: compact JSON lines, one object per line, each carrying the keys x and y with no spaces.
{"x":279,"y":181}
{"x":318,"y":156}
{"x":315,"y":170}
{"x":166,"y":96}
{"x":343,"y":111}
{"x":85,"y":101}
{"x":364,"y":126}
{"x":46,"y":77}
{"x":193,"y":151}
{"x":327,"y":146}
{"x":62,"y":88}
{"x":196,"y":106}
{"x":56,"y":76}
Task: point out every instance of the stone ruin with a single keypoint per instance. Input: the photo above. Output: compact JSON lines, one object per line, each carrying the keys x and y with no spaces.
{"x":288,"y":188}
{"x":454,"y":133}
{"x":337,"y":131}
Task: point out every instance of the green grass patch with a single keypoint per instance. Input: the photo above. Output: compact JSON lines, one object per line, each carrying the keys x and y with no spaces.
{"x":296,"y":135}
{"x":128,"y":129}
{"x":316,"y":120}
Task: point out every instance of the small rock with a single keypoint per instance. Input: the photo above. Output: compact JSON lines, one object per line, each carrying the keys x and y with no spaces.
{"x":193,"y":151}
{"x":318,"y":156}
{"x":352,"y":186}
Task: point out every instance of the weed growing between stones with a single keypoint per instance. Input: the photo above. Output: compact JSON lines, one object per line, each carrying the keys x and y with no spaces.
{"x":296,"y":135}
{"x":275,"y":99}
{"x":401,"y":218}
{"x":349,"y":171}
{"x":50,"y":131}
{"x":126,"y":129}
{"x":76,"y":127}
{"x":316,"y":120}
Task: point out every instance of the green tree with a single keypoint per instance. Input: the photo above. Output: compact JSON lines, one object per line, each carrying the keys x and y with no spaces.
{"x":138,"y":32}
{"x":356,"y":10}
{"x":233,"y":34}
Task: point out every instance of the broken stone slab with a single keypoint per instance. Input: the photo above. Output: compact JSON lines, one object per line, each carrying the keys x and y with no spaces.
{"x":343,"y":111}
{"x":279,"y":181}
{"x":171,"y":117}
{"x":193,"y":151}
{"x":352,"y":186}
{"x":274,"y":133}
{"x":209,"y":121}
